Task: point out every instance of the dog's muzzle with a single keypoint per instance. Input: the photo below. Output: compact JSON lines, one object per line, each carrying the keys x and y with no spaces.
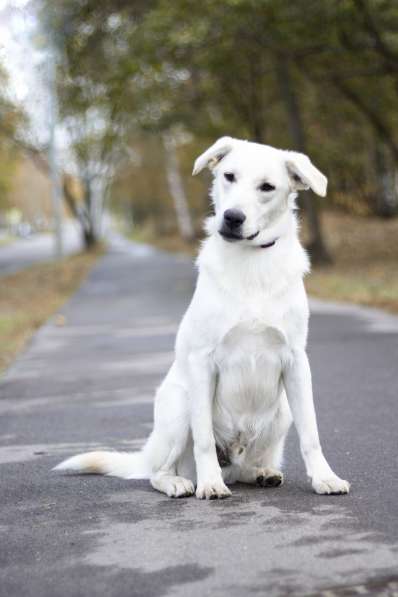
{"x":231,"y":228}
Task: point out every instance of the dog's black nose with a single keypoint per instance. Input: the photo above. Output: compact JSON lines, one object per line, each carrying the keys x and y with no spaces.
{"x":234,"y":218}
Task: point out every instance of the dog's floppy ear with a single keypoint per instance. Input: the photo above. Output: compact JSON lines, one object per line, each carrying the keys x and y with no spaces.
{"x":213,"y":155}
{"x":304,"y":175}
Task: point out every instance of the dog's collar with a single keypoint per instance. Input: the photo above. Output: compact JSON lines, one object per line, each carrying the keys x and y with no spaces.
{"x":268,"y":245}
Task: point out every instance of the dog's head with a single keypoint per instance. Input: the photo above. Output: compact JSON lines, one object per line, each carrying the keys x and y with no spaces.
{"x":254,"y":188}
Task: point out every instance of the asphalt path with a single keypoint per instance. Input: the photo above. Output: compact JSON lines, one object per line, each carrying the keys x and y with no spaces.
{"x":89,"y":384}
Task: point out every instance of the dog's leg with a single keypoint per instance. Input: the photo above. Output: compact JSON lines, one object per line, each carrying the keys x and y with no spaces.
{"x":297,"y":380}
{"x":273,"y":454}
{"x":230,"y":474}
{"x":169,"y":440}
{"x":210,"y":484}
{"x":167,"y":481}
{"x":270,"y":474}
{"x":261,"y":464}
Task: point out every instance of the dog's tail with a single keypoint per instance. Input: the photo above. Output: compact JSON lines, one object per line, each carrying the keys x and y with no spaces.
{"x":126,"y":465}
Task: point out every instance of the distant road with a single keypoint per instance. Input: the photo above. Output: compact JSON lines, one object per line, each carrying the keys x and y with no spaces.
{"x":25,"y":252}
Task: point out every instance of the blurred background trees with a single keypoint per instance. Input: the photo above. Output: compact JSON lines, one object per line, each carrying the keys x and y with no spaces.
{"x":11,"y":119}
{"x":145,"y":85}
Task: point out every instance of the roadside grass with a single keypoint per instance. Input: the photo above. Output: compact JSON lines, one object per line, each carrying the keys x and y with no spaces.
{"x":28,"y":298}
{"x":365,"y":267}
{"x":170,"y":242}
{"x":6,"y":240}
{"x":365,"y":259}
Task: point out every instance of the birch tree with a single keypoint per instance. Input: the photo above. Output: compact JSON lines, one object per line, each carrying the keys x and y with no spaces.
{"x":176,"y":187}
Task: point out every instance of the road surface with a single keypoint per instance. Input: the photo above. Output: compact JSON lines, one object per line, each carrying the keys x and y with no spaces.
{"x":89,"y":384}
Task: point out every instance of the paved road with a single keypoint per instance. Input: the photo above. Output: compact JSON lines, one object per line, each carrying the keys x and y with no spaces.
{"x":25,"y":252}
{"x":90,"y":384}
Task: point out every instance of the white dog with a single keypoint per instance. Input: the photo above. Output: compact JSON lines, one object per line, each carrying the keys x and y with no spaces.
{"x":241,"y":369}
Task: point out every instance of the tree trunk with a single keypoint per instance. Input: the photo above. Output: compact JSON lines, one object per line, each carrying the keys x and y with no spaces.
{"x":90,"y":239}
{"x":386,"y":204}
{"x":90,"y":229}
{"x":176,"y":188}
{"x":88,"y":235}
{"x":82,"y":213}
{"x":255,"y":99}
{"x":316,"y":246}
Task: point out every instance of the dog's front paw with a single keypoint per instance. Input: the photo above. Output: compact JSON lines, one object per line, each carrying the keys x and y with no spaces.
{"x":212,"y":490}
{"x":330,"y":486}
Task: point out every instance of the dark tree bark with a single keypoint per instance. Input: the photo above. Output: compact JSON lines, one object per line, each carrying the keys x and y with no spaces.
{"x":81,"y":213}
{"x":90,"y":239}
{"x":386,"y":203}
{"x":316,"y":246}
{"x":255,"y":100}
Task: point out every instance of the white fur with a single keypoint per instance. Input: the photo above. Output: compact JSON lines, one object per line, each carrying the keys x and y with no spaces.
{"x":241,"y":371}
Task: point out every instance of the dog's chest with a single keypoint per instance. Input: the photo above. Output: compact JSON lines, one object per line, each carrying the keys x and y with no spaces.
{"x":249,"y":361}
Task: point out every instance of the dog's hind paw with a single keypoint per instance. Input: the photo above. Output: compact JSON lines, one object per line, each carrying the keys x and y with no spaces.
{"x":212,"y":491}
{"x":331,"y":486}
{"x":173,"y":486}
{"x":269,"y":478}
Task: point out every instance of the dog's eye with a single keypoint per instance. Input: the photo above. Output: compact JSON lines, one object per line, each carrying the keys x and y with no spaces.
{"x":266,"y":187}
{"x":230,"y":176}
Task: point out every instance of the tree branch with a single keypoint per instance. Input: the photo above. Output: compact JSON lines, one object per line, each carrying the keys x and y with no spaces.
{"x":379,"y":126}
{"x":389,"y":57}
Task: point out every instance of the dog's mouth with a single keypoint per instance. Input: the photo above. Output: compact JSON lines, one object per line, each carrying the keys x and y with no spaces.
{"x":232,"y":238}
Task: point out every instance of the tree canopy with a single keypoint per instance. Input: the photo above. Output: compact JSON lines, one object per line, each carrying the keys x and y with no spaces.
{"x":319,"y":77}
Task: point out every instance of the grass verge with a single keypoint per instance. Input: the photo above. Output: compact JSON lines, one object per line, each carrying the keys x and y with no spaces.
{"x":6,"y":240}
{"x":28,"y":298}
{"x":365,"y":267}
{"x":171,"y":242}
